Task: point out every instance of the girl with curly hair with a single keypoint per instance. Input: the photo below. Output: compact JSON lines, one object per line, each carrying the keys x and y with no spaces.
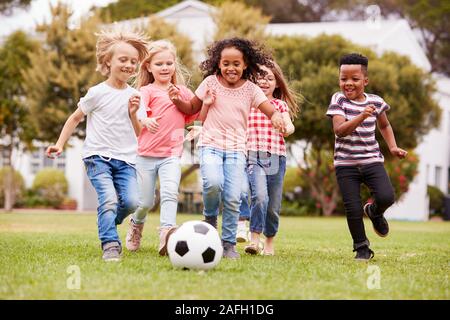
{"x":230,"y":73}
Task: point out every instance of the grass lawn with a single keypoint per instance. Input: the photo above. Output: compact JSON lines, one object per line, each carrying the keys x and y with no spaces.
{"x":314,"y":260}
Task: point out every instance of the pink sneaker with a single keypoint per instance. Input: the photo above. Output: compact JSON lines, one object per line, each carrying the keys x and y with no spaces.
{"x":164,"y":234}
{"x":134,"y":235}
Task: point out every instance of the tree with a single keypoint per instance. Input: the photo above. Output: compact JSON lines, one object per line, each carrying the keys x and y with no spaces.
{"x":129,"y":9}
{"x":7,"y":6}
{"x":15,"y":125}
{"x":312,"y":64}
{"x":249,"y":23}
{"x":62,"y":70}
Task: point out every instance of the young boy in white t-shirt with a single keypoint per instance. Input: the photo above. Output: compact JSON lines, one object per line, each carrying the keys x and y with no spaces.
{"x":113,"y":111}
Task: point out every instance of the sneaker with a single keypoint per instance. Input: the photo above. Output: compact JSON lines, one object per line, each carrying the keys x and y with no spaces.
{"x":112,"y":251}
{"x":134,"y":235}
{"x":212,"y":220}
{"x":380,"y":224}
{"x":229,"y":251}
{"x":164,"y":235}
{"x":253,"y":249}
{"x":364,"y":254}
{"x":242,"y":231}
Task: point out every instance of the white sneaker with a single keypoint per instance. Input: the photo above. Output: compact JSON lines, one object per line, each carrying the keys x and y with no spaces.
{"x":242,"y":231}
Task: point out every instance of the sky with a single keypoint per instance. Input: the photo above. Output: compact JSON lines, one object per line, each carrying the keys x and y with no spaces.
{"x":39,"y":10}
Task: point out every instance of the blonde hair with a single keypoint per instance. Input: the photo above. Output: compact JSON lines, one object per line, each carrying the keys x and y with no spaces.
{"x":145,"y":77}
{"x":284,"y":92}
{"x":108,"y":39}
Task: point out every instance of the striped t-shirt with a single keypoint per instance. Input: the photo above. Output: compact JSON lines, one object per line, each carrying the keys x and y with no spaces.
{"x":360,"y":147}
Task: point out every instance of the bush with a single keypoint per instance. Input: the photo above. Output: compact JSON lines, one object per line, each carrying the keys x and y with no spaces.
{"x":437,"y":198}
{"x":51,"y":186}
{"x":18,"y":183}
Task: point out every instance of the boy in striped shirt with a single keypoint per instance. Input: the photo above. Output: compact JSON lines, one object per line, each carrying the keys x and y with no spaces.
{"x":357,"y":156}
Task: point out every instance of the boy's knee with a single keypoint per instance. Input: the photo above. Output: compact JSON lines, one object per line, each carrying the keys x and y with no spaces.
{"x":385,"y":199}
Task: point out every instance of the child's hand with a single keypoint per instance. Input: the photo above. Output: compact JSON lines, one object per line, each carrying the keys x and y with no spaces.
{"x":278,"y":122}
{"x":53,"y":152}
{"x":210,"y":97}
{"x":174,"y":93}
{"x":151,"y":123}
{"x":368,"y":111}
{"x":133,"y":104}
{"x":195,"y":131}
{"x":399,"y":153}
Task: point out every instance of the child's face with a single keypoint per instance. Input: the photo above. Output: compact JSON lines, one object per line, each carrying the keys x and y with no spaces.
{"x":268,"y":83}
{"x":162,"y":66}
{"x":232,"y":65}
{"x":352,"y":81}
{"x":123,"y":62}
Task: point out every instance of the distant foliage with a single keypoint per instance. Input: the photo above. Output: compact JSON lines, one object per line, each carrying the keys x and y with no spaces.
{"x":51,"y":186}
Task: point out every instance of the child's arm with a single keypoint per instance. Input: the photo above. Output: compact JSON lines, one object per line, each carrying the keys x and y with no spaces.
{"x":388,"y":135}
{"x":288,"y":123}
{"x":70,"y":125}
{"x":277,"y":120}
{"x":343,"y":128}
{"x":187,"y":107}
{"x":207,"y":102}
{"x":133,"y":107}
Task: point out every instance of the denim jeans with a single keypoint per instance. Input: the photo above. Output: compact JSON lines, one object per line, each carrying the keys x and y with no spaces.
{"x":349,"y":179}
{"x":169,"y":171}
{"x":222,"y":173}
{"x":266,"y":175}
{"x":116,"y":186}
{"x":244,"y":209}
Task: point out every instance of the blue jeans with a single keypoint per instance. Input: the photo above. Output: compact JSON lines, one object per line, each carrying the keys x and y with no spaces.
{"x":244,"y":209}
{"x":222,"y":173}
{"x":266,"y":174}
{"x":116,"y":186}
{"x":169,"y":171}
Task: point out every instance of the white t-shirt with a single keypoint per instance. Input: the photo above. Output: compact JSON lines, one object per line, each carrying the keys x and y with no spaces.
{"x":109,"y":132}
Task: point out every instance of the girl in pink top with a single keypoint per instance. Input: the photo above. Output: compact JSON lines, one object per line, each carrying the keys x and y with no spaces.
{"x":230,"y":72}
{"x":160,"y":143}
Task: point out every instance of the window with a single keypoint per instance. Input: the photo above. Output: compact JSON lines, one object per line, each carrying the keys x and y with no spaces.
{"x":438,"y":176}
{"x":40,"y":161}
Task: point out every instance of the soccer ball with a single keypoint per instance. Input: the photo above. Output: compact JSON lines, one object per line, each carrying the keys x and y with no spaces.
{"x":195,"y":245}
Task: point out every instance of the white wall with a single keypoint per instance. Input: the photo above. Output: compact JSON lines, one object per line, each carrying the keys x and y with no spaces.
{"x":433,"y":151}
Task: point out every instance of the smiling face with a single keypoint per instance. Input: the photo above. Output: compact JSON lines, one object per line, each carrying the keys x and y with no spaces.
{"x":123,"y":62}
{"x":268,"y":83}
{"x":232,"y":66}
{"x":352,"y":81}
{"x":162,"y":67}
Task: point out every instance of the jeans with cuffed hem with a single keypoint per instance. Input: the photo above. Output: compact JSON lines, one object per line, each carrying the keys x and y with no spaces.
{"x":266,"y":175}
{"x":116,"y":186}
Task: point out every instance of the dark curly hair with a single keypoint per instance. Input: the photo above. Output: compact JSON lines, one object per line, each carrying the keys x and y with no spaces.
{"x":254,"y":55}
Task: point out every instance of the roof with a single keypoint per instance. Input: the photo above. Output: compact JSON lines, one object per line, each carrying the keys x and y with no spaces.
{"x":193,"y":18}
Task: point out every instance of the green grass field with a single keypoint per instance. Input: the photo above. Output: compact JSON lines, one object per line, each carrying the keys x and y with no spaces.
{"x":314,"y":260}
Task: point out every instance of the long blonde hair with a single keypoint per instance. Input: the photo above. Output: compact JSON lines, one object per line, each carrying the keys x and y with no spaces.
{"x":284,"y":92}
{"x":145,"y":77}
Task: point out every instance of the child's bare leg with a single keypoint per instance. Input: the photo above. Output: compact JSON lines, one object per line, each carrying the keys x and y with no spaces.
{"x":269,"y":246}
